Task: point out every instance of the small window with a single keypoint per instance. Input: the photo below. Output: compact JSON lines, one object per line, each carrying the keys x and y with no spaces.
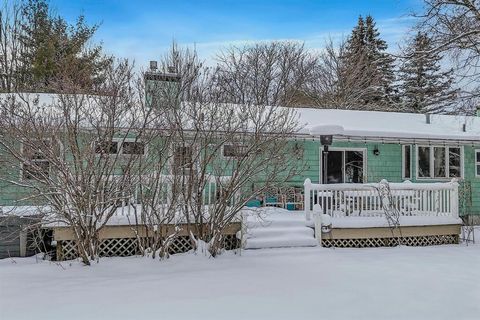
{"x":234,"y":150}
{"x":106,"y":147}
{"x":133,"y":147}
{"x":36,"y":165}
{"x":477,"y":162}
{"x":182,"y":159}
{"x":407,"y":161}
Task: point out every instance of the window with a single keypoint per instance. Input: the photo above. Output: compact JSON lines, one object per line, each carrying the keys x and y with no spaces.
{"x":36,"y":165}
{"x":118,"y":147}
{"x":477,"y":162}
{"x":234,"y":150}
{"x":182,"y":159}
{"x":407,"y":161}
{"x":423,"y":166}
{"x":435,"y":162}
{"x":133,"y":147}
{"x":353,"y":166}
{"x":344,"y":166}
{"x":454,"y":163}
{"x":106,"y":147}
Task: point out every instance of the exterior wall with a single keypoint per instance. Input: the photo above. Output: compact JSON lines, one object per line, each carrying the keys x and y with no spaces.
{"x":471,"y":185}
{"x":386,"y":165}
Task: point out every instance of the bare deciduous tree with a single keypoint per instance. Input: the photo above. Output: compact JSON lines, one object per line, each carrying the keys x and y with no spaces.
{"x":66,"y":150}
{"x":454,"y":26}
{"x":11,"y":47}
{"x":230,"y":142}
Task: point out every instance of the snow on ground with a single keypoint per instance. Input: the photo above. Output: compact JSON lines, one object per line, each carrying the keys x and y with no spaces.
{"x":439,"y":282}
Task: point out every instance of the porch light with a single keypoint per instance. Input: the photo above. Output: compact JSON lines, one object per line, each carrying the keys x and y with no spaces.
{"x":376,"y":151}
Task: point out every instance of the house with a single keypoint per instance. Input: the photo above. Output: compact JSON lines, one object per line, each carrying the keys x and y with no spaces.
{"x":431,"y":163}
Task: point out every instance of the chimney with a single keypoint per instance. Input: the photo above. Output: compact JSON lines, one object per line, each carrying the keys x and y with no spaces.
{"x":478,"y":112}
{"x":153,"y":66}
{"x":171,"y":69}
{"x":427,"y":118}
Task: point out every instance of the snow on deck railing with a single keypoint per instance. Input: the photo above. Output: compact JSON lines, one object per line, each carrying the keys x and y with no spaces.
{"x":366,"y":200}
{"x":166,"y":186}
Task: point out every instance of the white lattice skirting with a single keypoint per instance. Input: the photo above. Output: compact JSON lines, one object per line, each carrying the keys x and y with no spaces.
{"x":391,"y":242}
{"x":123,"y":247}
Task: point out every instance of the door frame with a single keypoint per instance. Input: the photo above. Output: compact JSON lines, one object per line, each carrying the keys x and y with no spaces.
{"x":365,"y":159}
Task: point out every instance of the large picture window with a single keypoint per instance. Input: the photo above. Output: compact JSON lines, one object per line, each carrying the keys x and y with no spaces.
{"x":436,"y":162}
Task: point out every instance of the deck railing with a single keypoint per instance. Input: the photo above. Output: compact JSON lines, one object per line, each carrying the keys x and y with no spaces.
{"x":166,"y":185}
{"x":370,"y":199}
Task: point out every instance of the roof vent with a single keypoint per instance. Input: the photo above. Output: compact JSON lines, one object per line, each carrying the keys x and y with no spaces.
{"x":428,"y":118}
{"x":153,"y":65}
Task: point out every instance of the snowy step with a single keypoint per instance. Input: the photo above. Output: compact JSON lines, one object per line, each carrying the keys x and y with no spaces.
{"x":272,"y":222}
{"x":281,"y":242}
{"x":272,"y":232}
{"x":278,"y":228}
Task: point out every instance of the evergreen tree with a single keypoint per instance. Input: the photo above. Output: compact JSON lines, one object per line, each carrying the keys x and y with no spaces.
{"x":366,"y":68}
{"x":57,"y":54}
{"x":425,"y":88}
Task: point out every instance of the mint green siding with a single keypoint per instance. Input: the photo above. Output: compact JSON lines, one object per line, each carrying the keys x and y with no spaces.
{"x":386,"y":165}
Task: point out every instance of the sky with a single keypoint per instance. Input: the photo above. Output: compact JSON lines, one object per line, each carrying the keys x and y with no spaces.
{"x":144,"y":29}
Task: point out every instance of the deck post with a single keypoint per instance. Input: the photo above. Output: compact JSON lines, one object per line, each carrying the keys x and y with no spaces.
{"x":317,"y":216}
{"x":454,"y":198}
{"x":307,"y":185}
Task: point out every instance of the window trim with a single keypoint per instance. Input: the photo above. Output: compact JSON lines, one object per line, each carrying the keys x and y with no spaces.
{"x":404,"y":177}
{"x":22,"y":170}
{"x":173,"y":147}
{"x":120,"y":142}
{"x":432,"y":162}
{"x":365,"y":161}
{"x":477,"y":163}
{"x":234,"y":145}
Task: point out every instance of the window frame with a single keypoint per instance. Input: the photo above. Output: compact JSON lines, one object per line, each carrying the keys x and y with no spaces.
{"x":235,"y":145}
{"x":477,"y":163}
{"x":404,"y":177}
{"x":432,"y":162}
{"x":22,"y":169}
{"x":173,"y":167}
{"x":120,"y":142}
{"x":365,"y":161}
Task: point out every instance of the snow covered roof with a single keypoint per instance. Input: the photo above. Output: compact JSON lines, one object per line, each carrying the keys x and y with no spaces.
{"x":394,"y":125}
{"x":362,"y":124}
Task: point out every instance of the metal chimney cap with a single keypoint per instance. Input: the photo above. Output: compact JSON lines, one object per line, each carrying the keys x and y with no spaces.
{"x":153,"y":65}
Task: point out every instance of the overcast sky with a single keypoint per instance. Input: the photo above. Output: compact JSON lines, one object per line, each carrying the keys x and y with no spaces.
{"x":143,"y":30}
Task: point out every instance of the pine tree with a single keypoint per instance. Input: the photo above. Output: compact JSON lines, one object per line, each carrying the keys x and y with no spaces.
{"x":380,"y":62}
{"x":425,"y":88}
{"x":366,"y":68}
{"x":57,"y":54}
